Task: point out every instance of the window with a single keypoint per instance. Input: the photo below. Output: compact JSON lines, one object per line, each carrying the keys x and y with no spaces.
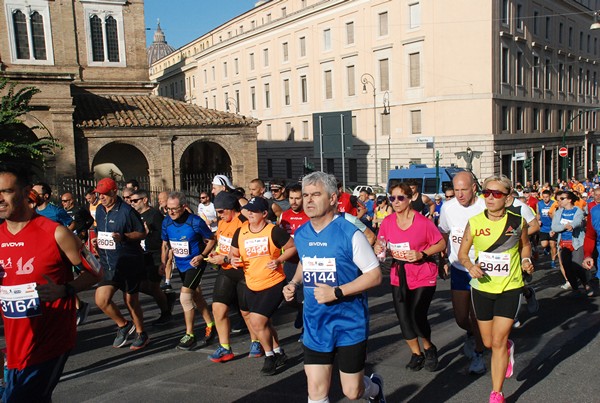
{"x":505,"y":74}
{"x":536,"y":120}
{"x":328,"y":85}
{"x":415,"y":120}
{"x":519,"y":68}
{"x":226,"y":98}
{"x":284,"y":49}
{"x":594,"y":84}
{"x":269,"y":17}
{"x":330,"y":166}
{"x":519,"y":18}
{"x":104,"y":35}
{"x":548,"y":81}
{"x":267,"y":95}
{"x":415,"y":69}
{"x":30,"y":33}
{"x":305,"y":130}
{"x":384,"y":75}
{"x":570,"y":79}
{"x":547,"y":28}
{"x":580,"y":82}
{"x":570,"y":36}
{"x":547,"y":120}
{"x":205,"y":76}
{"x":327,"y":39}
{"x":536,"y":17}
{"x":349,"y":33}
{"x":251,"y":61}
{"x":253,"y":98}
{"x":561,"y":28}
{"x":304,"y":89}
{"x":352,"y":169}
{"x":520,"y":119}
{"x":288,"y":168}
{"x":383,"y":24}
{"x":353,"y":126}
{"x":269,"y":167}
{"x":236,"y":66}
{"x":580,"y":40}
{"x":561,"y":120}
{"x":266,"y":57}
{"x":237,"y":101}
{"x":505,"y":12}
{"x":269,"y":132}
{"x":224,"y":69}
{"x":303,"y":47}
{"x":561,"y":77}
{"x":414,"y":15}
{"x":214,"y":73}
{"x":351,"y":80}
{"x":589,"y":44}
{"x":283,"y":11}
{"x":505,"y":119}
{"x":536,"y":72}
{"x":286,"y":91}
{"x":289,"y":131}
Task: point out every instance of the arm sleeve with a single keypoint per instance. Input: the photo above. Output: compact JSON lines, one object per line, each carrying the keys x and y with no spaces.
{"x":280,"y":236}
{"x":363,"y":255}
{"x":235,"y":239}
{"x":64,"y":218}
{"x":200,"y":227}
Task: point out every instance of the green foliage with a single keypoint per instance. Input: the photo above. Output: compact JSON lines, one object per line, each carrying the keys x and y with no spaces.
{"x":17,"y":141}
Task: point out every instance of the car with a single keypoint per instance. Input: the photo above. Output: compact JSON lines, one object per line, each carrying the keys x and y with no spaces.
{"x":374,"y":189}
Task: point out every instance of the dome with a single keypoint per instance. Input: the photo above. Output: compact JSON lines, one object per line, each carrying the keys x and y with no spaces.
{"x":159,"y":47}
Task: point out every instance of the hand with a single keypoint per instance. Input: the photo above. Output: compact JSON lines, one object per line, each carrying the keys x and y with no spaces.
{"x":552,"y":233}
{"x":216,"y":258}
{"x":412,"y":256}
{"x":116,"y":236}
{"x":324,"y":293}
{"x":51,"y":291}
{"x":446,"y":269}
{"x":475,"y":271}
{"x":196,"y":260}
{"x":527,"y":267}
{"x":378,"y":248}
{"x":161,"y":269}
{"x":588,"y":263}
{"x":273,"y":264}
{"x":237,"y":262}
{"x":289,"y":292}
{"x":568,"y":227}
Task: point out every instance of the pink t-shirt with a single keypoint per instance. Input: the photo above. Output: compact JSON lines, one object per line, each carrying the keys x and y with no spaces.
{"x":419,"y":236}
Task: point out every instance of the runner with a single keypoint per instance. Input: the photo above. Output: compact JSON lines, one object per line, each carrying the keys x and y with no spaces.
{"x":547,"y":236}
{"x":40,"y":338}
{"x":120,"y":231}
{"x":230,"y":284}
{"x":256,"y":246}
{"x":337,"y":267}
{"x":502,"y":251}
{"x":49,"y":210}
{"x":454,"y":216}
{"x":186,"y":234}
{"x":207,"y":209}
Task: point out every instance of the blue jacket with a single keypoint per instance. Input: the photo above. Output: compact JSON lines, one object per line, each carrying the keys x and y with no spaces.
{"x":578,"y":226}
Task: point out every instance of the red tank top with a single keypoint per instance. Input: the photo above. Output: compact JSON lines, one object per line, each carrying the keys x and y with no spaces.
{"x":291,"y":221}
{"x":35,"y":332}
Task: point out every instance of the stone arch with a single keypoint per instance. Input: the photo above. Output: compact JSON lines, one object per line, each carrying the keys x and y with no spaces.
{"x":200,"y":161}
{"x":121,"y":161}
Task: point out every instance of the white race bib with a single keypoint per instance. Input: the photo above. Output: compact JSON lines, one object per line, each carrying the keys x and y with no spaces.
{"x":564,"y":221}
{"x":105,"y":240}
{"x":456,"y":236}
{"x":319,"y":270}
{"x":399,"y":250}
{"x":20,"y":301}
{"x":256,"y":247}
{"x":495,"y":264}
{"x":180,"y":248}
{"x":224,"y":244}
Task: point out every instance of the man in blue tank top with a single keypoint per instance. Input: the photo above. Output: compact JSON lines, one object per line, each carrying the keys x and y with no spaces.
{"x":337,"y":267}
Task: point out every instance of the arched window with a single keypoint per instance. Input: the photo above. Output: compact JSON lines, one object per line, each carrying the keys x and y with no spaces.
{"x":112,"y":39}
{"x":21,"y":41}
{"x":37,"y":36}
{"x":97,"y":40}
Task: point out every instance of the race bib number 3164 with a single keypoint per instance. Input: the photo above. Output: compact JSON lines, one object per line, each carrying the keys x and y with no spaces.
{"x":20,"y":301}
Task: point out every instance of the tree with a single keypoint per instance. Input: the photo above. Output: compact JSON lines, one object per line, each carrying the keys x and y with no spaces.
{"x":18,"y":143}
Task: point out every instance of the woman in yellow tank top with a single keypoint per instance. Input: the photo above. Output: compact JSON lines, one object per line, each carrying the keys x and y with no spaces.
{"x":502,"y":251}
{"x":382,"y":210}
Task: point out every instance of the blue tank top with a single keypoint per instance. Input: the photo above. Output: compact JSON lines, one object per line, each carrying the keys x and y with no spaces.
{"x":327,"y":258}
{"x":543,"y":209}
{"x":186,"y":239}
{"x":567,"y":217}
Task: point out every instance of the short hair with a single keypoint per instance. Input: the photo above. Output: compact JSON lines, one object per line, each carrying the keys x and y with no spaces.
{"x":134,"y":183}
{"x":503,"y":179}
{"x":327,"y":180}
{"x":21,"y":171}
{"x":90,"y":191}
{"x":571,"y":196}
{"x":258,"y":181}
{"x":405,"y":187}
{"x":46,"y":189}
{"x":294,"y":187}
{"x":546,"y":192}
{"x":141,"y":193}
{"x":412,"y":182}
{"x":179,"y":196}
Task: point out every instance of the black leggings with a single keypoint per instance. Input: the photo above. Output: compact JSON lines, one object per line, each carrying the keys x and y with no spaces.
{"x":411,"y":310}
{"x":571,"y":261}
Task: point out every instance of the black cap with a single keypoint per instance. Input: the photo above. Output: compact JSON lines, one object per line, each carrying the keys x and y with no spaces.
{"x":225,"y":200}
{"x":257,"y":205}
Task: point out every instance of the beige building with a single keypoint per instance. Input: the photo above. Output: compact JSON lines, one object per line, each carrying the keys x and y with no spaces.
{"x":503,"y":77}
{"x":89,"y":60}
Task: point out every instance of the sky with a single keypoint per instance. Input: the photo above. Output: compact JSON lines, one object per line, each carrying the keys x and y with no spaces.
{"x":182,"y":21}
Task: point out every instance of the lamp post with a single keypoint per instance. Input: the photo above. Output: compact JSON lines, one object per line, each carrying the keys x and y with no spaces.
{"x":565,"y":161}
{"x":468,"y":155}
{"x":230,"y":99}
{"x":369,"y":79}
{"x":386,"y":111}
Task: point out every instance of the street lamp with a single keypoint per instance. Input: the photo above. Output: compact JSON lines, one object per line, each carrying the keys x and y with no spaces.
{"x":565,"y":161}
{"x":364,"y":79}
{"x":468,"y":156}
{"x":386,"y":111}
{"x":596,"y":23}
{"x":230,"y":99}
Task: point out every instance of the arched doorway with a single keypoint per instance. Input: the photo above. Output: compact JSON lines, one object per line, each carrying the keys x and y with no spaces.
{"x":200,"y":162}
{"x":121,"y":162}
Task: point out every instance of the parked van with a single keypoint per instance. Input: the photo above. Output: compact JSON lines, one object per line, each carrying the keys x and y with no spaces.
{"x":425,"y":177}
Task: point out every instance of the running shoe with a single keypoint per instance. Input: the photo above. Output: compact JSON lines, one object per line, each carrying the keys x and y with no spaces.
{"x":187,"y":342}
{"x":416,"y":362}
{"x":516,"y":323}
{"x":301,"y":336}
{"x":222,"y":354}
{"x":566,"y":286}
{"x":511,"y":359}
{"x":496,"y":397}
{"x":552,"y":264}
{"x":256,"y":350}
{"x":82,"y":312}
{"x":469,"y":346}
{"x":299,"y":322}
{"x":431,"y":358}
{"x":280,"y":359}
{"x":210,"y":333}
{"x":166,"y":288}
{"x":380,"y":398}
{"x":163,"y":320}
{"x":123,"y":334}
{"x":141,"y":340}
{"x":477,"y":366}
{"x":270,"y":366}
{"x":171,"y":299}
{"x":532,"y":303}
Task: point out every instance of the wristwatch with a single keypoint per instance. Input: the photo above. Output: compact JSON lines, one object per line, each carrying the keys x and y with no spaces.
{"x":425,"y":255}
{"x":226,"y":260}
{"x":339,"y":294}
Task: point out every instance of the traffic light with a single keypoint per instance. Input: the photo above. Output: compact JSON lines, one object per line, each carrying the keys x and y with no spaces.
{"x":527,"y":164}
{"x":309,"y":167}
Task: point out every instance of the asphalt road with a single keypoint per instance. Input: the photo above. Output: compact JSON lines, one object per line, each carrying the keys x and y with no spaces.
{"x":557,"y":355}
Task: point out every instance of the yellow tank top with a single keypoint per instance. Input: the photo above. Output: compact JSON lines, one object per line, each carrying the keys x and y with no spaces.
{"x":496,"y":245}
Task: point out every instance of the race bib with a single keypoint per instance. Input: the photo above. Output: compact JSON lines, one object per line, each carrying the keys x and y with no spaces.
{"x":257,"y":247}
{"x":495,"y":264}
{"x":545,"y":212}
{"x":456,"y":236}
{"x":105,"y":240}
{"x":20,"y":301}
{"x":224,"y":245}
{"x":564,"y":221}
{"x":319,"y":270}
{"x":399,"y":250}
{"x":180,"y":248}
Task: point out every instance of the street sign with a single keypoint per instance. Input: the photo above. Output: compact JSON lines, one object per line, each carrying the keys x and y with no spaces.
{"x":563,"y":152}
{"x":422,"y":140}
{"x":521,"y":156}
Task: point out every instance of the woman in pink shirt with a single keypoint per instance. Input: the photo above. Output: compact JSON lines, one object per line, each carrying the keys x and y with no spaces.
{"x":411,"y":239}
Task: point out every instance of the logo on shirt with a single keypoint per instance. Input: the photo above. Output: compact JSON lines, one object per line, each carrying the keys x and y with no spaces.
{"x":482,"y":232}
{"x":511,"y":231}
{"x":12,"y":244}
{"x":317,"y":244}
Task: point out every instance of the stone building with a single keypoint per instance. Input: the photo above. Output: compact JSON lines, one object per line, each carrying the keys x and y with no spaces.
{"x":89,"y":60}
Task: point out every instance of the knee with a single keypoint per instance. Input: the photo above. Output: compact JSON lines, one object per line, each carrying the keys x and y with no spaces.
{"x":353,"y":392}
{"x":102,"y":301}
{"x":498,"y":342}
{"x":187,"y":301}
{"x":219,"y":310}
{"x":257,"y":323}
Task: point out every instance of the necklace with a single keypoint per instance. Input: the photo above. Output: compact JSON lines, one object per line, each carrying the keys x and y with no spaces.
{"x":496,"y":216}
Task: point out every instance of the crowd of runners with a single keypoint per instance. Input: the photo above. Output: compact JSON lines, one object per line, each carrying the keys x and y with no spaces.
{"x":310,"y":245}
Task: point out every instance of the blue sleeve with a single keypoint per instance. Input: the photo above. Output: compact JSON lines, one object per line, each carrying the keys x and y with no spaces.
{"x":201,"y":228}
{"x":164,"y":234}
{"x":63,"y":217}
{"x":596,"y":218}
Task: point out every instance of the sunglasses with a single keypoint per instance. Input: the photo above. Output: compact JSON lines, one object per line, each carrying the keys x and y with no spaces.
{"x":449,"y":197}
{"x":496,"y":193}
{"x":135,"y":200}
{"x":400,"y":198}
{"x":66,"y":200}
{"x":173,"y":209}
{"x":220,"y":211}
{"x":562,"y":198}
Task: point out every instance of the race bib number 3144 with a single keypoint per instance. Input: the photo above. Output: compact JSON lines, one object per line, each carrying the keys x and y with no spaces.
{"x":319,"y":270}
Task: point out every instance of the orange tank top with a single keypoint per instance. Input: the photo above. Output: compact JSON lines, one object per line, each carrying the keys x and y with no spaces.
{"x":256,"y":251}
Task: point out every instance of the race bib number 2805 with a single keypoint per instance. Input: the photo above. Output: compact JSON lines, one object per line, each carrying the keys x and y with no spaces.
{"x":20,"y":301}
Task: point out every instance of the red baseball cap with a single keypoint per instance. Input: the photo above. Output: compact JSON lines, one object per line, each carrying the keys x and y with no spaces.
{"x":105,"y":185}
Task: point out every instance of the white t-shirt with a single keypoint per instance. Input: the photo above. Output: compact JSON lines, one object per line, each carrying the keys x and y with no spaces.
{"x":526,"y":211}
{"x":210,"y":213}
{"x":453,"y":219}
